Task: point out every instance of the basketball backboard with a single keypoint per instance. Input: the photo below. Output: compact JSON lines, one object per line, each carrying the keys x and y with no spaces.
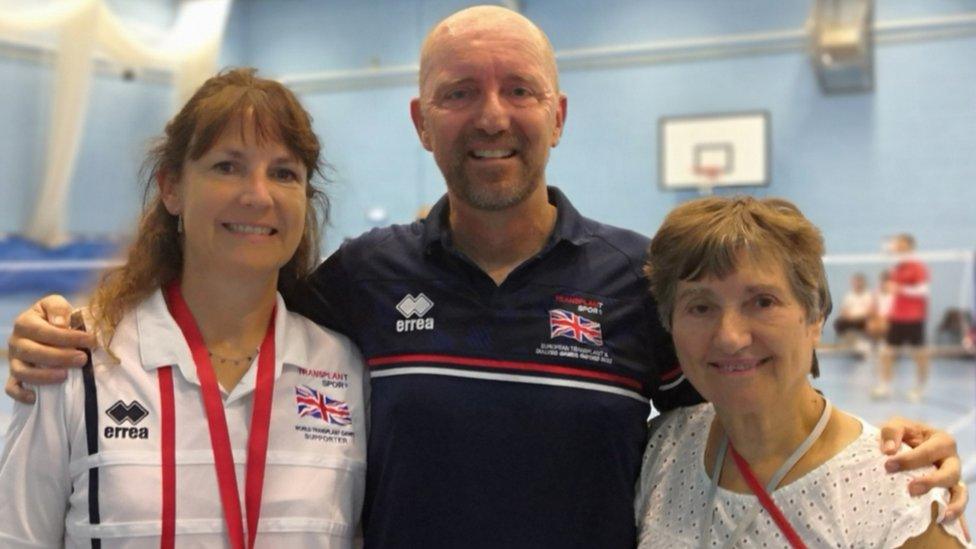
{"x":715,"y":150}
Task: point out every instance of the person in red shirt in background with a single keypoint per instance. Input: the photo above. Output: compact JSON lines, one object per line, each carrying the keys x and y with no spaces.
{"x":906,"y":318}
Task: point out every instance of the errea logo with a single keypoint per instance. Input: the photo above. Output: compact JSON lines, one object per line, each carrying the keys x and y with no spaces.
{"x":122,"y":413}
{"x":410,"y":307}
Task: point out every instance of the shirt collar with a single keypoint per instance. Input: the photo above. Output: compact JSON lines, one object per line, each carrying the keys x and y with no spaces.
{"x":570,"y":224}
{"x":161,"y":343}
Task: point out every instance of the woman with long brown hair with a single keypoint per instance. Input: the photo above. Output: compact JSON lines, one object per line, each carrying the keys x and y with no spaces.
{"x":210,"y":414}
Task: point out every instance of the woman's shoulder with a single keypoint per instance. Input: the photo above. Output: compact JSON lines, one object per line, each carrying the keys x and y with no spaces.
{"x":860,"y":465}
{"x":316,"y":331}
{"x":877,"y":503}
{"x":319,"y":340}
{"x":680,"y":420}
{"x":678,"y":431}
{"x":864,"y":454}
{"x":670,"y":467}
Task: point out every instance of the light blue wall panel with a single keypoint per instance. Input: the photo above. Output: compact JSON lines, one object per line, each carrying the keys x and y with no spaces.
{"x":913,"y":9}
{"x":370,"y":143}
{"x":23,"y":100}
{"x":233,"y":50}
{"x":123,"y":117}
{"x":586,"y":24}
{"x":311,"y":35}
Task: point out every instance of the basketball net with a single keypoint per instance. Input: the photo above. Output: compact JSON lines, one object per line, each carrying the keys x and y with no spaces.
{"x":711,"y":175}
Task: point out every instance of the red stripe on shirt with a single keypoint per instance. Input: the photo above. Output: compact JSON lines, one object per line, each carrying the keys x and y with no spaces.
{"x":671,"y":374}
{"x":505,"y":365}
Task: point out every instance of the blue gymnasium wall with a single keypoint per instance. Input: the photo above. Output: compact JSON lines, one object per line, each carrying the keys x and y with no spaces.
{"x":861,"y":166}
{"x":121,"y":118}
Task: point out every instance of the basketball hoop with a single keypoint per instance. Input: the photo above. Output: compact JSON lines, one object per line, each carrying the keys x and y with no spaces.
{"x":711,"y":175}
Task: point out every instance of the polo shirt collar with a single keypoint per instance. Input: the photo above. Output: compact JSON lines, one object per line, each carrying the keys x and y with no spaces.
{"x":570,"y":224}
{"x":161,"y":343}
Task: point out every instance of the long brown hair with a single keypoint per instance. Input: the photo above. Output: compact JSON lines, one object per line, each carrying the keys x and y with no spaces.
{"x":155,"y":256}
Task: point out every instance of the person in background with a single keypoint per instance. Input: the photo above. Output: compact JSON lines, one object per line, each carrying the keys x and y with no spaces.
{"x":855,"y":311}
{"x":768,"y":460}
{"x":969,"y":339}
{"x":877,"y":325}
{"x":909,"y":284}
{"x":205,"y":385}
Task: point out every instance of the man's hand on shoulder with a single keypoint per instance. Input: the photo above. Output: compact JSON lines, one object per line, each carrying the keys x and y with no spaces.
{"x":42,"y":345}
{"x":930,"y":446}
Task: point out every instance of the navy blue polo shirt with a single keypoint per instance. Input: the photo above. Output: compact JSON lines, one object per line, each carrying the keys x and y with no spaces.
{"x":507,"y":415}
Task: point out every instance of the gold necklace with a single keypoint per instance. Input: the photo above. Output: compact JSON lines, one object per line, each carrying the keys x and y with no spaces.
{"x":246,"y":360}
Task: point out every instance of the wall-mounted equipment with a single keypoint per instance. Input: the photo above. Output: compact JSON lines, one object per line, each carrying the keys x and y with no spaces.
{"x":842,"y":45}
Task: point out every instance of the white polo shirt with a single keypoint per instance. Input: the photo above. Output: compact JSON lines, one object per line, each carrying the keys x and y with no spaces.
{"x":68,"y":475}
{"x":857,"y":305}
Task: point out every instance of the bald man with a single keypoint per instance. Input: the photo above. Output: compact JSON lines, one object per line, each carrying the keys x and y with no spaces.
{"x":512,"y":344}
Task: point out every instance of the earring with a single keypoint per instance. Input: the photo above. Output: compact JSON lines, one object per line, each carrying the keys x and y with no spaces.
{"x":179,"y":224}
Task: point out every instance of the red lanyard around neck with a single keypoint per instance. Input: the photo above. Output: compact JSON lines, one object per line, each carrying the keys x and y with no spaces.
{"x":257,"y":443}
{"x":765,"y":500}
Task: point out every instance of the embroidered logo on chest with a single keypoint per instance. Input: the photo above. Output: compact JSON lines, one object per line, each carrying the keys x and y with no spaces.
{"x":312,"y":403}
{"x":563,"y":323}
{"x":578,"y":319}
{"x":122,"y":413}
{"x":335,"y":425}
{"x":413,"y":310}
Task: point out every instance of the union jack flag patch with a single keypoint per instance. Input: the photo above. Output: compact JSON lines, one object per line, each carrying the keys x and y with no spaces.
{"x":311,"y":403}
{"x":566,"y":324}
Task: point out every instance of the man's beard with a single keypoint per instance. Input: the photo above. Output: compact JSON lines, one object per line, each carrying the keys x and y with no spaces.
{"x":492,"y":193}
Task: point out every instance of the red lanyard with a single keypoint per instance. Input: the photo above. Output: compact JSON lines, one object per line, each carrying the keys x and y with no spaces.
{"x":766,"y":501}
{"x":167,"y":538}
{"x":257,"y":443}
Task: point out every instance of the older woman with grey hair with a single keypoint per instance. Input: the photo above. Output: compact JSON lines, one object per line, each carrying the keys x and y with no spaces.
{"x":768,"y":462}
